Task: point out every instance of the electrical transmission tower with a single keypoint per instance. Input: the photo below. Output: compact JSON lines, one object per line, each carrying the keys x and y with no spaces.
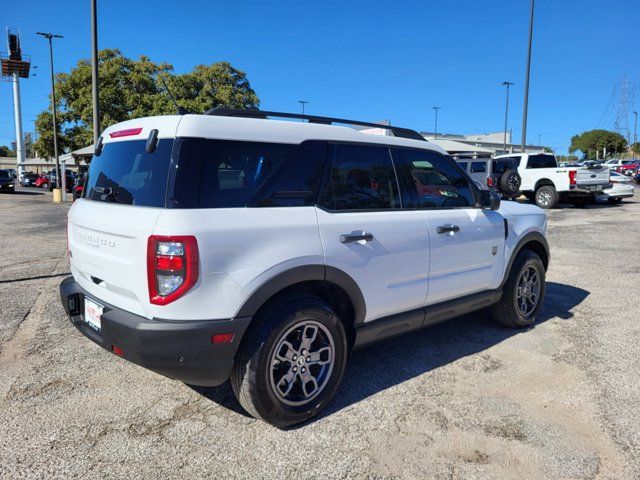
{"x":626,"y":99}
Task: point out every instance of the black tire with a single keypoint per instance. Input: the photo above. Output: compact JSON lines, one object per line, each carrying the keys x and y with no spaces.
{"x":252,"y":378}
{"x":614,"y":201}
{"x":546,"y":197}
{"x":507,"y":311}
{"x":510,"y":182}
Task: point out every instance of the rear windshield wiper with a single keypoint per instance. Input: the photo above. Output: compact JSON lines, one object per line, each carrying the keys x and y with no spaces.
{"x":106,"y":193}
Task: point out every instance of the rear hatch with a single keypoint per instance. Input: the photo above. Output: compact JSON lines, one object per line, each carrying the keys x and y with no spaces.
{"x":592,"y":176}
{"x":108,"y":230}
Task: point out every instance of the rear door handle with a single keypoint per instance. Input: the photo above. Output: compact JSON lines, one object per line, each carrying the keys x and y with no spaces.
{"x":448,"y":228}
{"x":356,"y":237}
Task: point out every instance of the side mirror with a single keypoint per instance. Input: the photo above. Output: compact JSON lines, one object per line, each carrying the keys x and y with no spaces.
{"x":489,"y":200}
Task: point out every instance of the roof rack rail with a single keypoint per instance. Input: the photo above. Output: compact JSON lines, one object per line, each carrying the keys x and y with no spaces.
{"x":251,"y":113}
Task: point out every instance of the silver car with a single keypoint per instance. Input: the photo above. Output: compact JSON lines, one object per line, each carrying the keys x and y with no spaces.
{"x":622,"y":188}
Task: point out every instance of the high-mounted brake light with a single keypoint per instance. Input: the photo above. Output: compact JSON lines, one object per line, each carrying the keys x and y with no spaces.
{"x":572,"y":177}
{"x":172,"y":267}
{"x":125,"y":133}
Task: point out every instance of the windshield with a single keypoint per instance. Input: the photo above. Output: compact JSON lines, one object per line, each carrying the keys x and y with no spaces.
{"x":4,"y":175}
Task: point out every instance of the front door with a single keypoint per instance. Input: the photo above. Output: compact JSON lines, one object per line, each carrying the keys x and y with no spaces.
{"x":466,"y":243}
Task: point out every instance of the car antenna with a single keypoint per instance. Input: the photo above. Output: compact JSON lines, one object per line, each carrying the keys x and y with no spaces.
{"x":181,"y":110}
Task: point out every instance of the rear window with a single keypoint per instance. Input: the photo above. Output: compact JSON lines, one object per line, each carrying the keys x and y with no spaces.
{"x":500,"y":166}
{"x":125,"y":173}
{"x":542,"y":161}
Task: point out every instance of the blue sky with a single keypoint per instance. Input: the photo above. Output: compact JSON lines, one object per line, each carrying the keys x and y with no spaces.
{"x":369,"y":60}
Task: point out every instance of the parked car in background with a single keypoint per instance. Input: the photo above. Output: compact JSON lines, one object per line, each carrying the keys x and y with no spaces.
{"x":29,"y":179}
{"x":42,"y":181}
{"x":622,"y":188}
{"x":500,"y":175}
{"x":70,"y":180}
{"x":7,"y":181}
{"x":545,"y":183}
{"x":78,"y":187}
{"x":629,"y":168}
{"x":615,"y":163}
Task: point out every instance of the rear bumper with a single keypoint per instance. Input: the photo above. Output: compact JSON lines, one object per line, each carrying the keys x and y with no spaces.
{"x":181,"y":350}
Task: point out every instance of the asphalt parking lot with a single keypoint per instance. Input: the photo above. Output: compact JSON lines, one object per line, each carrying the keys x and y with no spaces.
{"x":464,"y":399}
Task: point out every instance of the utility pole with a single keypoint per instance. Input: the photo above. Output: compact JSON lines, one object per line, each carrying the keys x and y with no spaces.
{"x":303,"y":103}
{"x":435,"y":128}
{"x":506,"y":116}
{"x":526,"y":80}
{"x":539,"y":136}
{"x":49,"y":37}
{"x":635,"y":134}
{"x":94,"y":72}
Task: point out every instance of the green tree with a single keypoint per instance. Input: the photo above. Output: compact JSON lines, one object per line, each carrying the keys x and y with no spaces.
{"x":133,"y":88}
{"x":635,"y":148}
{"x":593,"y":143}
{"x":6,"y":151}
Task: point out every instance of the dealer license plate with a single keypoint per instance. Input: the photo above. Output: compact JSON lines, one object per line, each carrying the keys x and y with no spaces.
{"x":92,"y":313}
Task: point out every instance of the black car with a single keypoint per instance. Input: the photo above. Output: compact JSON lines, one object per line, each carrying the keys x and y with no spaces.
{"x":71,"y":180}
{"x":29,"y":179}
{"x":7,"y":182}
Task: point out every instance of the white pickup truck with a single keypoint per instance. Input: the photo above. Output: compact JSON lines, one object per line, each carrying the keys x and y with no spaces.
{"x":545,"y":183}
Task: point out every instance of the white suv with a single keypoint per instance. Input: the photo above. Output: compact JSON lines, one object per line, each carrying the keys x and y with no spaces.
{"x":233,"y":246}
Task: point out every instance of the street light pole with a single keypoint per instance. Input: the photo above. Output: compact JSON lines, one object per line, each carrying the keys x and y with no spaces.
{"x":49,"y":37}
{"x":526,"y":81}
{"x":539,"y":136}
{"x":94,"y":71}
{"x":303,"y":103}
{"x":435,"y":128}
{"x":506,"y":116}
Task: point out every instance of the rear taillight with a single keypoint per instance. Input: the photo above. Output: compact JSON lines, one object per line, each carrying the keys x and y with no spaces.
{"x":172,"y":267}
{"x":572,"y":177}
{"x":489,"y":182}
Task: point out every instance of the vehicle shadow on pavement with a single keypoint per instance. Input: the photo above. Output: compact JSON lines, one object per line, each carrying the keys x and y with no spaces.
{"x":408,"y":356}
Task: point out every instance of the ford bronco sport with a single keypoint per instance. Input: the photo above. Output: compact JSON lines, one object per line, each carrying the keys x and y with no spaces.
{"x":234,"y":246}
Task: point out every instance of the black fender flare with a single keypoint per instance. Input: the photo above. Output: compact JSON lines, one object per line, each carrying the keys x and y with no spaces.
{"x":529,"y":237}
{"x":302,"y":274}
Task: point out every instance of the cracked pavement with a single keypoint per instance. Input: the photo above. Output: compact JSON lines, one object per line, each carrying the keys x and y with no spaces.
{"x":464,"y":399}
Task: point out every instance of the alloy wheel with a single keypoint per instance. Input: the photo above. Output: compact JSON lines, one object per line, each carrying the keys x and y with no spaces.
{"x":302,"y":362}
{"x":528,"y":291}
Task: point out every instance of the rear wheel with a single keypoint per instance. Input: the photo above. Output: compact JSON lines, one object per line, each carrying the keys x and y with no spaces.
{"x":546,"y":196}
{"x":291,"y":362}
{"x":523,"y":292}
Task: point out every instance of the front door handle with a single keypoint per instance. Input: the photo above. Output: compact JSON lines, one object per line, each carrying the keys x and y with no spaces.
{"x":356,"y":237}
{"x":448,"y":228}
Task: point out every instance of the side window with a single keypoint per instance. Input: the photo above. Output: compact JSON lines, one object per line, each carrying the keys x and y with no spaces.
{"x":295,"y":182}
{"x":478,"y":167}
{"x":430,"y":180}
{"x":463,"y":165}
{"x":360,"y":178}
{"x":542,"y":161}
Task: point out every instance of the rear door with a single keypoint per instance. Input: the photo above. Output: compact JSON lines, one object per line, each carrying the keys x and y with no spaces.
{"x":108,"y":229}
{"x":466,"y":243}
{"x":366,"y":234}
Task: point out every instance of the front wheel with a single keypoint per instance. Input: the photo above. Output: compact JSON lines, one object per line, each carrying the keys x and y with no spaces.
{"x":523,"y":292}
{"x":292,"y":361}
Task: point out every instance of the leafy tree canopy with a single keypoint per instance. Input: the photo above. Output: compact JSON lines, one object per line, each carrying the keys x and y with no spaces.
{"x":593,"y":141}
{"x":6,"y":151}
{"x":133,"y":88}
